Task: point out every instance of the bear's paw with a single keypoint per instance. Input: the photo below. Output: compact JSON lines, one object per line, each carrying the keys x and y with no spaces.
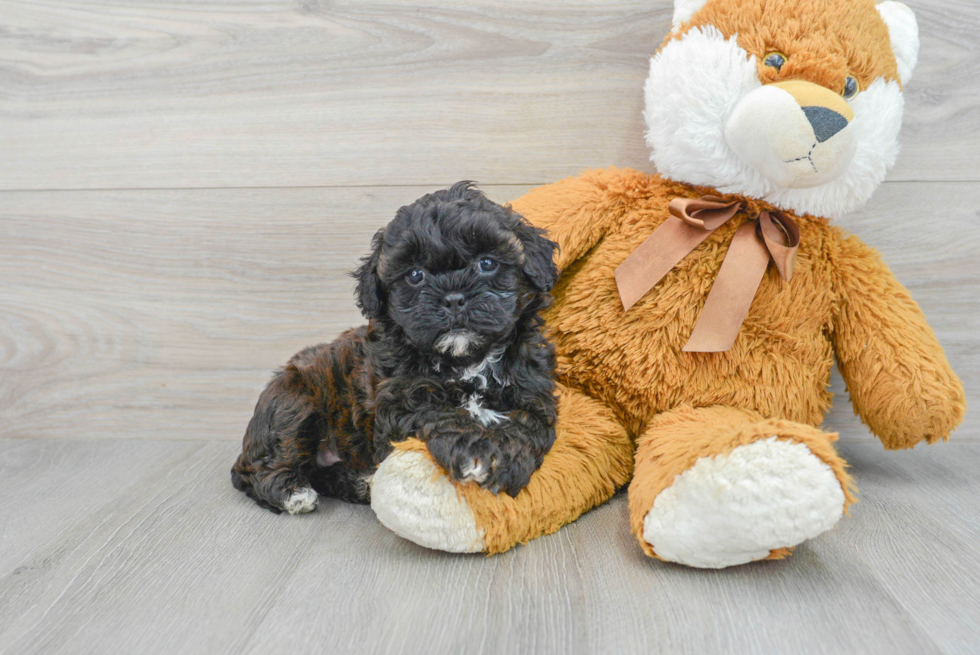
{"x":416,"y":501}
{"x":739,"y":507}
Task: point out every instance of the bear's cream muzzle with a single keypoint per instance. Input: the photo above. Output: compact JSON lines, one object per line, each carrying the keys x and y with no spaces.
{"x":796,"y":134}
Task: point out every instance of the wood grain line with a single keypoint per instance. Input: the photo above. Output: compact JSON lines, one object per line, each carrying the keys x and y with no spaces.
{"x":160,"y":314}
{"x":144,"y":94}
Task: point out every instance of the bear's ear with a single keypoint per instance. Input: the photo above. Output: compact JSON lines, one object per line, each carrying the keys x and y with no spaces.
{"x":684,"y":10}
{"x":904,"y":32}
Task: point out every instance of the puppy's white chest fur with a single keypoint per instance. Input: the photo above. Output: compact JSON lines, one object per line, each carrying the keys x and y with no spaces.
{"x":480,"y":413}
{"x":479,"y":374}
{"x":456,"y":343}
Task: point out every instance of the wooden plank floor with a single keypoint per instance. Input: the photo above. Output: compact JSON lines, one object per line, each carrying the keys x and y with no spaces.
{"x":183,"y":188}
{"x":152,"y":551}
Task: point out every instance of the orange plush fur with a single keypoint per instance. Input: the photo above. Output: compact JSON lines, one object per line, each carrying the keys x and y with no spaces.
{"x":634,"y":403}
{"x":824,"y":41}
{"x":773,"y":381}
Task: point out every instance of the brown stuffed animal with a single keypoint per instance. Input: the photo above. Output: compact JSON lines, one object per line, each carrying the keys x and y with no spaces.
{"x":688,"y":360}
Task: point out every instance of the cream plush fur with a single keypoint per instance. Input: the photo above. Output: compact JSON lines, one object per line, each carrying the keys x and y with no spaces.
{"x":411,"y":500}
{"x":736,"y":508}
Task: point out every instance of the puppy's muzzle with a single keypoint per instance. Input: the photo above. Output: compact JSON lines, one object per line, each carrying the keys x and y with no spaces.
{"x":796,"y":134}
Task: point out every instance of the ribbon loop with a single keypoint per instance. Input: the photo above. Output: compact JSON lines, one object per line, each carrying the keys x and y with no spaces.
{"x":782,"y":238}
{"x":775,"y":236}
{"x":707,"y":212}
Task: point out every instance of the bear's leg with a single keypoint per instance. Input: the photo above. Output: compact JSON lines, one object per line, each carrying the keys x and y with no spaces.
{"x":718,"y":486}
{"x":592,"y":456}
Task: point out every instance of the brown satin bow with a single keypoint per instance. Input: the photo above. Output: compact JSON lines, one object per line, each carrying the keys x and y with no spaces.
{"x":774,"y":236}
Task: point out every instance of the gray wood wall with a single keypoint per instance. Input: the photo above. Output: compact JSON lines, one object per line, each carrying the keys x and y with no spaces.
{"x":183,"y":186}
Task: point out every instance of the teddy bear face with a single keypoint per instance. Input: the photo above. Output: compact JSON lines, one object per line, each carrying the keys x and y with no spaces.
{"x":796,"y":102}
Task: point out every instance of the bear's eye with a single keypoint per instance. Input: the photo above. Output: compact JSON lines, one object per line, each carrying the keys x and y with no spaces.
{"x":488,"y":265}
{"x":851,"y":88}
{"x":415,"y":276}
{"x":775,"y":60}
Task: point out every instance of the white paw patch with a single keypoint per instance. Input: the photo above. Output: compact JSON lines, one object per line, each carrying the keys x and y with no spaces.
{"x":474,"y":471}
{"x":301,"y":502}
{"x":735,"y":508}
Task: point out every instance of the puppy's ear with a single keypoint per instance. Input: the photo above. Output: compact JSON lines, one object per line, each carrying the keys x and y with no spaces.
{"x":369,"y":293}
{"x":539,"y":252}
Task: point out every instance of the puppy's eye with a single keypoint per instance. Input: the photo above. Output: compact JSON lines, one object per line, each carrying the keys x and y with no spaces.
{"x":488,"y":265}
{"x":775,"y":60}
{"x":851,"y":88}
{"x":415,"y":276}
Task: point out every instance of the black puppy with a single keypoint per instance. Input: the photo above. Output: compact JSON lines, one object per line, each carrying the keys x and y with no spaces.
{"x":453,"y":355}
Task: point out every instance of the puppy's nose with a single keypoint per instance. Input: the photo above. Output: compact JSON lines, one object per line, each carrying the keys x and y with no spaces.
{"x":826,"y":122}
{"x":454,"y":301}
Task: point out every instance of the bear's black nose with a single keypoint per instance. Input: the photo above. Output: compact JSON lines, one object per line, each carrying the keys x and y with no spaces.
{"x":826,"y":122}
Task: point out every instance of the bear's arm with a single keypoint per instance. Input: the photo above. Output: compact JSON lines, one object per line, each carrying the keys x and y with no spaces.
{"x":576,"y":212}
{"x":898,"y":377}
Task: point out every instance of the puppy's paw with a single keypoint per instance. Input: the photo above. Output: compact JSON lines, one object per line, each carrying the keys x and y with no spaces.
{"x":476,"y":470}
{"x":467,"y":457}
{"x":301,"y":501}
{"x":513,"y":473}
{"x":474,"y":458}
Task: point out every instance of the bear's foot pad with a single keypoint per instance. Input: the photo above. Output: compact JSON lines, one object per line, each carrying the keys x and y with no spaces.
{"x":738,"y":507}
